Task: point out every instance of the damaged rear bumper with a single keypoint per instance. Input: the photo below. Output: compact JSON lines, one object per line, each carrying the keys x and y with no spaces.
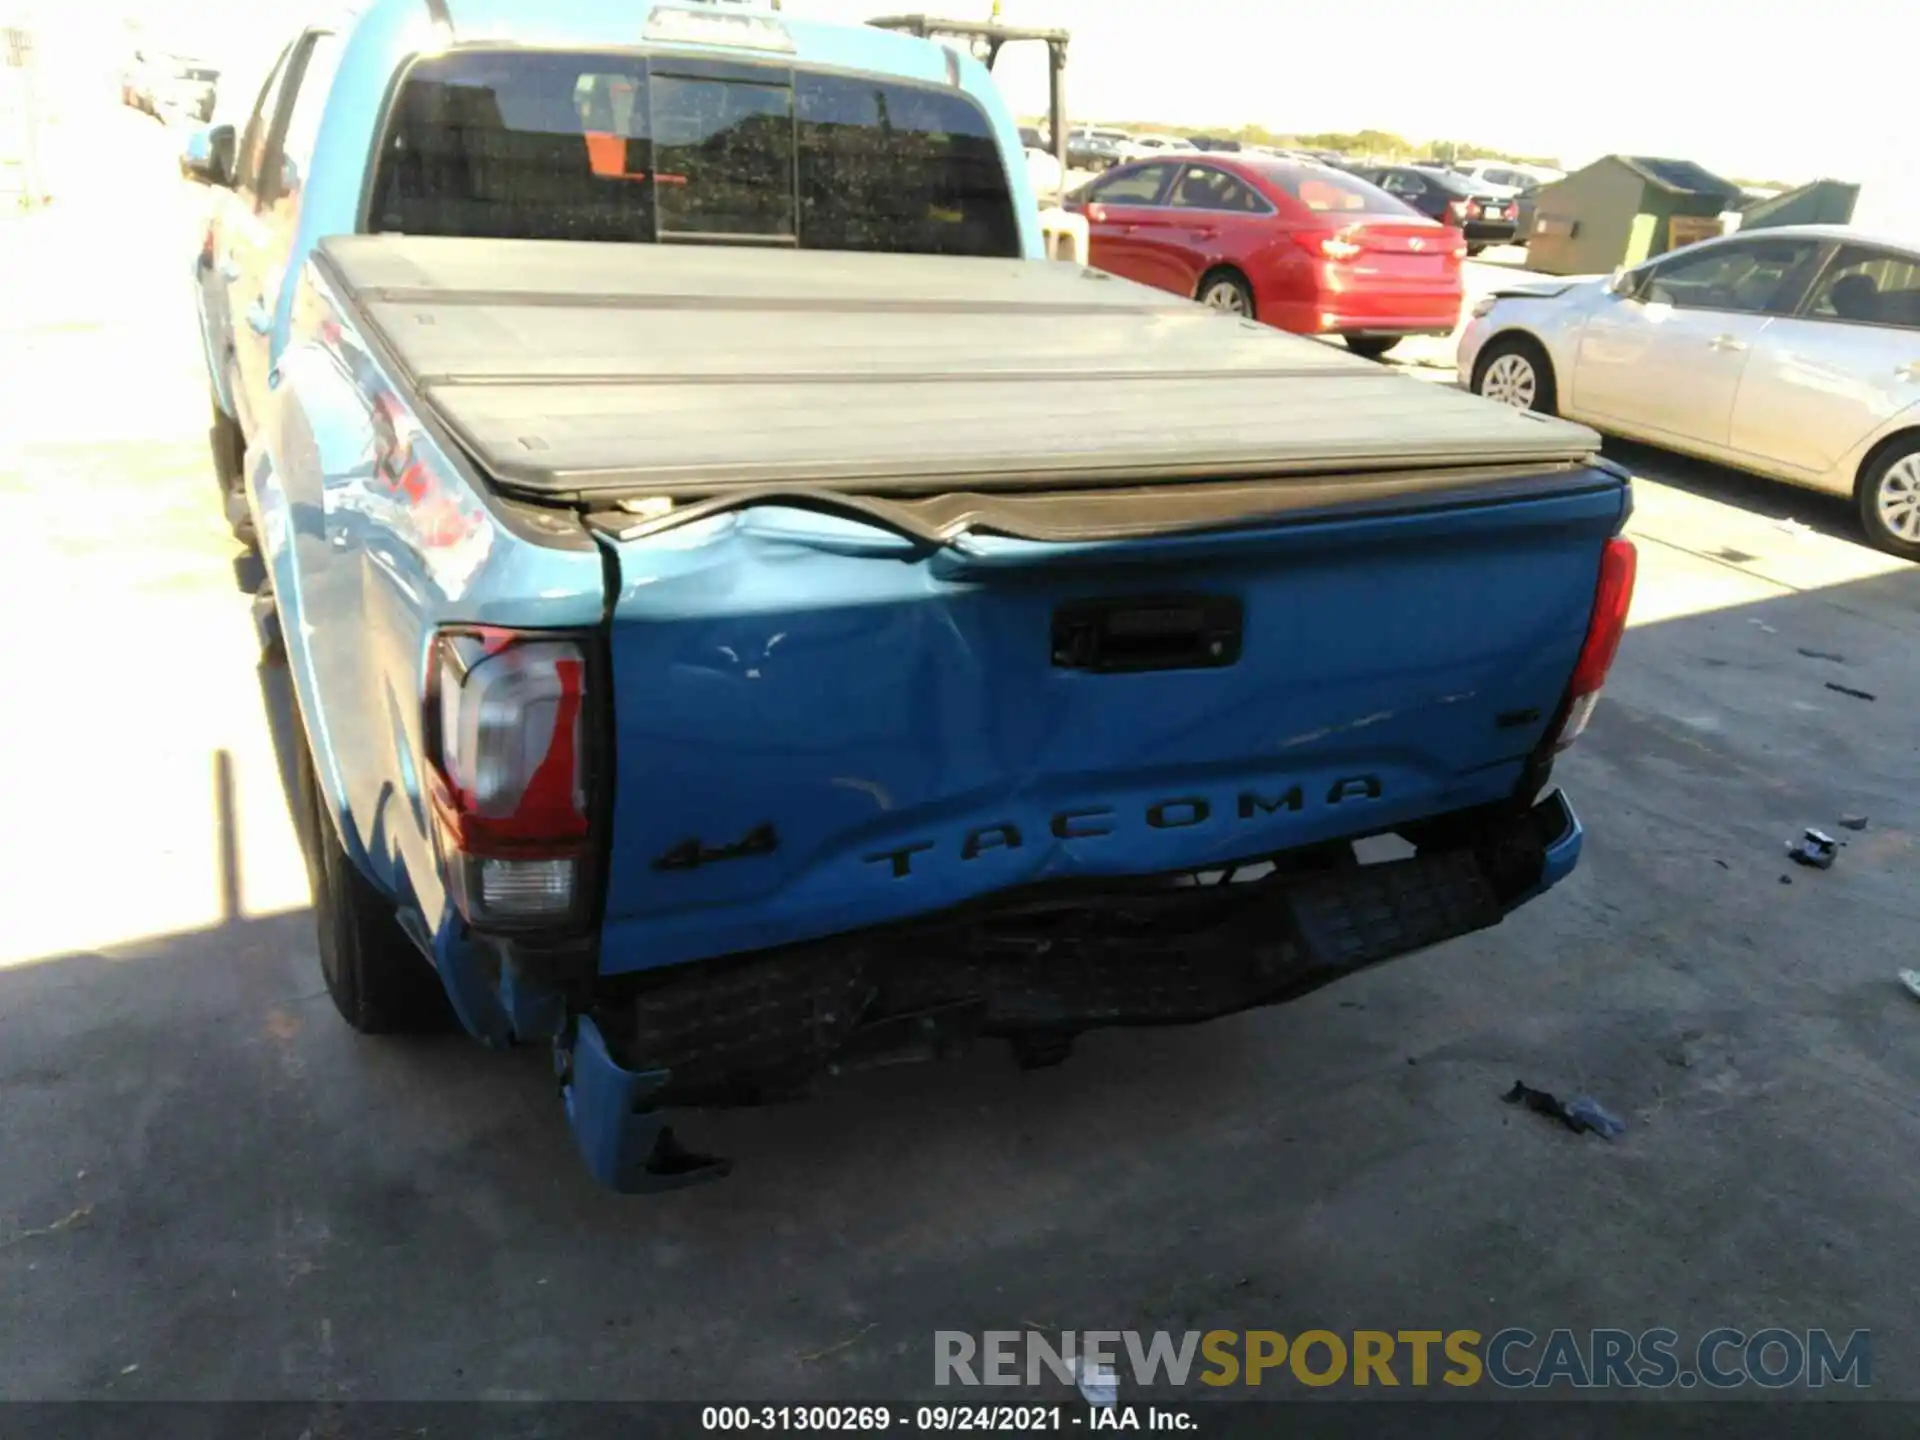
{"x":1036,"y":968}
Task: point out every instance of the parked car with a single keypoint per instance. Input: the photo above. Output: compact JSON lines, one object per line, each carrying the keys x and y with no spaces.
{"x":1146,"y":147}
{"x":1523,"y":183}
{"x":1092,"y":149}
{"x":133,"y":81}
{"x":1790,"y":352}
{"x":1481,"y":216}
{"x":189,"y":90}
{"x":719,"y":735}
{"x":1299,"y":246}
{"x":170,"y":85}
{"x":1508,"y":175}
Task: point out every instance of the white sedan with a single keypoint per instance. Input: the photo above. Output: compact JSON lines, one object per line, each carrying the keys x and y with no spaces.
{"x":1151,"y":147}
{"x":1793,"y":353}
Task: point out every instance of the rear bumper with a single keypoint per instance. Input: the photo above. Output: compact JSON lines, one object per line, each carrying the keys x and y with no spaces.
{"x":1399,"y":328}
{"x":1033,"y":966}
{"x":1490,"y":232}
{"x":1402,"y":311}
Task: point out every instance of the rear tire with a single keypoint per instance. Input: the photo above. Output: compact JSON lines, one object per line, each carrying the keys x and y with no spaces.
{"x":1226,"y":291}
{"x":1888,"y":497}
{"x":1475,"y":248}
{"x":376,"y":977}
{"x":1371,"y":347}
{"x":1514,"y":370}
{"x":229,"y":449}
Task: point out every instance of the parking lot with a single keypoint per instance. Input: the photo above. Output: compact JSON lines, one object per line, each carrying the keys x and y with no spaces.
{"x":213,"y":1189}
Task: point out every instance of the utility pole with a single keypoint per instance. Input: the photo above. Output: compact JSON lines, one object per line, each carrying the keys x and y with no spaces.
{"x":24,"y":102}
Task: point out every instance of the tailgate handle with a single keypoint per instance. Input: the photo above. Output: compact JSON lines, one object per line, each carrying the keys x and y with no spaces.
{"x":1160,"y":632}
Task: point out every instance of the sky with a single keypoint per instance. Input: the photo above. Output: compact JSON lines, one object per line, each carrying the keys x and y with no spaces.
{"x":1761,"y":89}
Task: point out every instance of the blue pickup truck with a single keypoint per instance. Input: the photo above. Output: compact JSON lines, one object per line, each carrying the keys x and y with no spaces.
{"x":751,"y":615}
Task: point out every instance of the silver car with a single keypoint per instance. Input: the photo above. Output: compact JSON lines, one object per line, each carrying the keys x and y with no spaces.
{"x":1793,"y":353}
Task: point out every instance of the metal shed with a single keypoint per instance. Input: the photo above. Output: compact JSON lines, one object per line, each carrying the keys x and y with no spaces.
{"x":1623,"y":208}
{"x":1822,"y":202}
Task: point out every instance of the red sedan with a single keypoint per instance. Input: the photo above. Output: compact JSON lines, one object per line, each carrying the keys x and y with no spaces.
{"x":1303,"y":247}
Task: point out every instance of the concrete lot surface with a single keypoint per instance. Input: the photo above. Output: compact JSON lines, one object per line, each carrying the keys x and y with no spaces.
{"x":212,"y":1189}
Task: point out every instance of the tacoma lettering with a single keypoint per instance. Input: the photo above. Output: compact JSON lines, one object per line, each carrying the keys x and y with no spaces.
{"x":1178,"y":814}
{"x":1294,"y":799}
{"x":1072,"y":824}
{"x":990,"y":837}
{"x":1183,"y":812}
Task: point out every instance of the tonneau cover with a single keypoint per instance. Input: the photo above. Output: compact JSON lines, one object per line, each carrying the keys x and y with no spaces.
{"x":604,"y":372}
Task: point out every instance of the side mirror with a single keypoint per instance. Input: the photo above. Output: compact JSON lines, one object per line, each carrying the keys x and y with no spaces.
{"x":208,"y":156}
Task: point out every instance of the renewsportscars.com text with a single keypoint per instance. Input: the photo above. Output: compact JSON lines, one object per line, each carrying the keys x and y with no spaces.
{"x":1771,"y":1358}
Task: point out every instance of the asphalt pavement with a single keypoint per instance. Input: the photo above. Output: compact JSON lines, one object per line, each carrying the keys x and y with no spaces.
{"x":213,"y":1190}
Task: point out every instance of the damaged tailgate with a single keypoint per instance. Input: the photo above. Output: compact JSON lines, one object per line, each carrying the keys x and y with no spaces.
{"x":937,"y":578}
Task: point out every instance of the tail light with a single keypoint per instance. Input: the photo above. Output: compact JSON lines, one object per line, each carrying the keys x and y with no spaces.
{"x":1328,"y":246}
{"x":1456,"y":212}
{"x":512,"y":768}
{"x":1611,"y":601}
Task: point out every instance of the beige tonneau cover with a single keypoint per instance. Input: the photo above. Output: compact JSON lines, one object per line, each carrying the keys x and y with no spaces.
{"x":609,"y":373}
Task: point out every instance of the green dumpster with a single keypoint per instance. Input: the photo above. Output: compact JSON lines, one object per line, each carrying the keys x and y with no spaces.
{"x":1621,"y":209}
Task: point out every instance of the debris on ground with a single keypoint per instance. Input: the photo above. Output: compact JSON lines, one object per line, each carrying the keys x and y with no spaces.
{"x":1823,"y":655}
{"x":1911,"y":979}
{"x":1097,"y":1384}
{"x":838,"y":1346}
{"x":1765,"y":628}
{"x":1786,"y":879}
{"x":73,"y":1217}
{"x":1815,"y":849}
{"x":1849,"y":690}
{"x":1853,"y":822}
{"x":1581,"y":1116}
{"x":1594,"y":1116}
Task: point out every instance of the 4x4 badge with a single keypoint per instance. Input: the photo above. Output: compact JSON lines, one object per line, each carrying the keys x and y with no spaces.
{"x":691,"y":854}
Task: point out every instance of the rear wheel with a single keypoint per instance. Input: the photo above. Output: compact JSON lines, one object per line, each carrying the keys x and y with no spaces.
{"x":1514,"y":370}
{"x":1475,"y":248}
{"x":1228,"y":292}
{"x":229,"y":449}
{"x":1889,"y":498}
{"x":1371,"y":347}
{"x":376,"y":977}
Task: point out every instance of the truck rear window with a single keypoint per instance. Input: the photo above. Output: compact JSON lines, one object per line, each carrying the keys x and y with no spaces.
{"x":544,"y":146}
